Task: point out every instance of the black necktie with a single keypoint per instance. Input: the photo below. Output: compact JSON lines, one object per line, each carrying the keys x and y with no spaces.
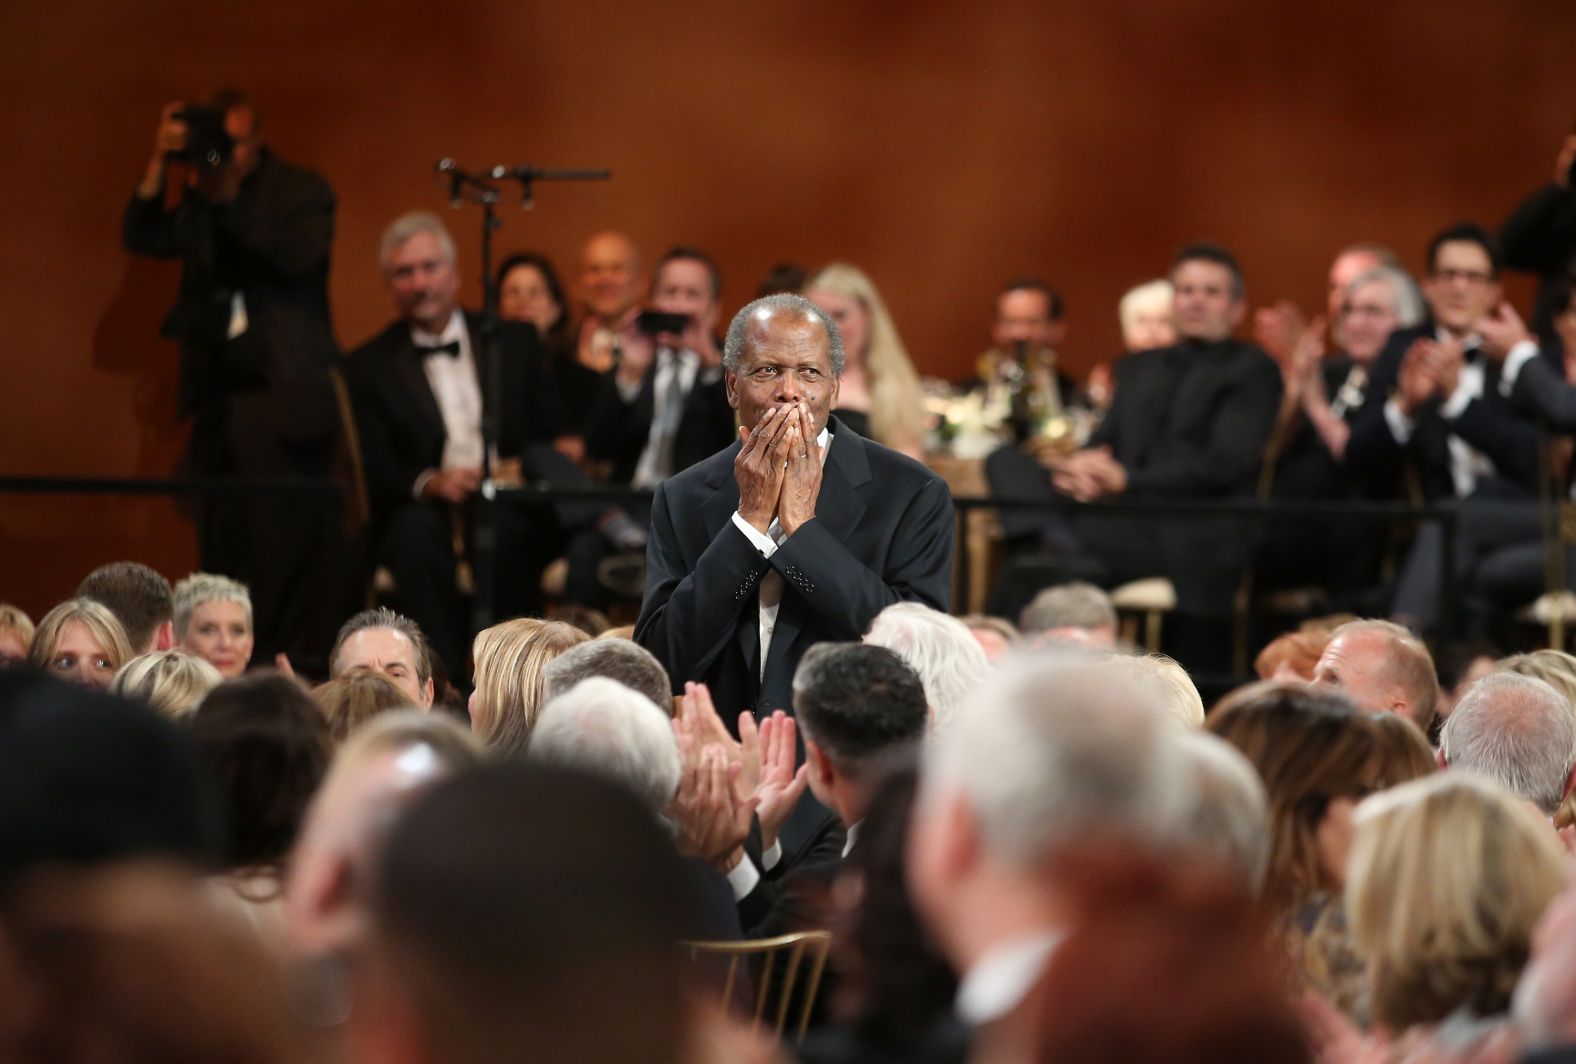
{"x":452,"y":349}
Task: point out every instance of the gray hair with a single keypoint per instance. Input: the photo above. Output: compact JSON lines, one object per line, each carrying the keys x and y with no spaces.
{"x":408,"y":225}
{"x":603,"y":727}
{"x":622,"y":660}
{"x":1518,"y":732}
{"x":383,"y":617}
{"x":1404,"y":296}
{"x":939,"y":647}
{"x":1077,"y":604}
{"x":1055,"y":747}
{"x":207,"y":587}
{"x":1231,"y":817}
{"x":785,"y":303}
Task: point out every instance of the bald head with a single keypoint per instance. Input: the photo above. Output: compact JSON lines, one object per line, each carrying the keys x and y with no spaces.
{"x":610,"y":279}
{"x":1382,"y":668}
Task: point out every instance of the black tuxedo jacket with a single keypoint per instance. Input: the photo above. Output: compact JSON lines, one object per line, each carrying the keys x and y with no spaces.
{"x":271,"y":245}
{"x":882,"y":533}
{"x":1542,"y":391}
{"x":1487,"y":423}
{"x":397,"y":416}
{"x":618,"y":431}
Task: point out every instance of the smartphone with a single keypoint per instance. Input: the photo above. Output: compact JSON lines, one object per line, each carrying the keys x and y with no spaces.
{"x":652,"y":322}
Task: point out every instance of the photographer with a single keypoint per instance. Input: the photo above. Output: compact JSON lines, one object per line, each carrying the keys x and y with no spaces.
{"x":1540,"y":238}
{"x":252,"y":319}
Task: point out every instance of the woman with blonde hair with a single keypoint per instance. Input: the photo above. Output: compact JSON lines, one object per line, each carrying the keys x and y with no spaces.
{"x":511,"y":678}
{"x":1447,"y":879}
{"x":170,"y":681}
{"x":213,"y":619}
{"x":81,"y":642}
{"x":356,"y":696}
{"x":16,"y":636}
{"x":878,"y":395}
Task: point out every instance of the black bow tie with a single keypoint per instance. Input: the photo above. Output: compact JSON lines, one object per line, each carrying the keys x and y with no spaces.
{"x":452,"y":349}
{"x":1472,"y":354}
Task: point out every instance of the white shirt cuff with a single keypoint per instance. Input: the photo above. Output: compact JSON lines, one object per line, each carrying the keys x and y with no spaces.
{"x":771,"y":857}
{"x":1459,"y":400}
{"x":743,"y":878}
{"x":421,"y":482}
{"x":1519,"y":356}
{"x":762,"y":542}
{"x":1400,"y":424}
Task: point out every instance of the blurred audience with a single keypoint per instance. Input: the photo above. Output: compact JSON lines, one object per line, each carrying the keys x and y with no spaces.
{"x":1076,"y":613}
{"x":996,"y":636}
{"x":81,"y":642}
{"x":511,"y":679}
{"x":16,"y":636}
{"x":608,"y":290}
{"x":1518,"y":732}
{"x":389,"y":644}
{"x":939,"y":648}
{"x":355,"y":697}
{"x":621,"y":660}
{"x":141,"y":600}
{"x":1382,"y":668}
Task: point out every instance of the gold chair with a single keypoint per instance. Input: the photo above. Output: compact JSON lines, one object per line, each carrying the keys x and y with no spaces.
{"x":798,"y":950}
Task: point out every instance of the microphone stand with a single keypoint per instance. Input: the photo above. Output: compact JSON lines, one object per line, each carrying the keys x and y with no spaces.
{"x":484,"y":189}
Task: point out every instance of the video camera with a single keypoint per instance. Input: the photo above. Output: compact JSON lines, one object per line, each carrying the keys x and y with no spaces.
{"x":208,"y":143}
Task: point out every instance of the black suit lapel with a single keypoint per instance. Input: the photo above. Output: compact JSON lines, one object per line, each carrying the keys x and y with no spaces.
{"x":412,"y":380}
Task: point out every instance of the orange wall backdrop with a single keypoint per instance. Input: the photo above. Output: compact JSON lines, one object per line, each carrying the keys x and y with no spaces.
{"x":941,"y":146}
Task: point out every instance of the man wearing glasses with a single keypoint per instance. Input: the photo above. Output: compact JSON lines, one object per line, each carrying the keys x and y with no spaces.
{"x":1436,"y":398}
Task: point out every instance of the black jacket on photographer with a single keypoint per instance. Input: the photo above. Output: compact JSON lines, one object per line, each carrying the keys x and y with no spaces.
{"x":262,"y":398}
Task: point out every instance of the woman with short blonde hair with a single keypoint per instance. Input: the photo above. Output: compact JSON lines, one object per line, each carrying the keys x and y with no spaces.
{"x":511,"y":678}
{"x":1447,"y":878}
{"x":213,"y":619}
{"x":170,"y":681}
{"x":878,"y":377}
{"x":81,"y":642}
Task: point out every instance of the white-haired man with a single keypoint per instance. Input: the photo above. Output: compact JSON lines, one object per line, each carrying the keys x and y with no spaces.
{"x":939,"y":647}
{"x":1050,"y":752}
{"x":1519,"y":732}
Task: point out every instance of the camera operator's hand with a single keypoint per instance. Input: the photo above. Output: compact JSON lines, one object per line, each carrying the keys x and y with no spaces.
{"x":697,"y":338}
{"x":169,"y":137}
{"x":636,"y":353}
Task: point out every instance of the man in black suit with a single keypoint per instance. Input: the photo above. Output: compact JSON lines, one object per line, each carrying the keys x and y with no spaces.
{"x":800,"y":532}
{"x":1434,"y":399}
{"x":1540,"y":237}
{"x":253,"y":235}
{"x":1187,"y":421}
{"x":663,"y":407}
{"x":419,"y":401}
{"x":1029,"y":327}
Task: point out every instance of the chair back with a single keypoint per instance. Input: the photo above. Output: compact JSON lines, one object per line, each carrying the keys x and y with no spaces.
{"x":803,"y":952}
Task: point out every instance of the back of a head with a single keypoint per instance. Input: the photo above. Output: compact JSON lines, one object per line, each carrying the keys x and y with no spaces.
{"x":1518,"y":732}
{"x":937,"y":646}
{"x":1058,"y":747}
{"x":858,"y":703}
{"x":622,"y":660}
{"x":267,"y":746}
{"x":1072,"y":605}
{"x":1308,"y":747}
{"x":354,"y":697}
{"x":511,"y":678}
{"x":506,"y":909}
{"x":1231,"y":818}
{"x":1447,"y":878}
{"x":170,"y":681}
{"x":1403,"y":753}
{"x":1166,"y":959}
{"x":1554,"y":667}
{"x":1408,"y":665}
{"x":139,"y":597}
{"x":88,"y":778}
{"x":1171,"y":682}
{"x":1294,"y":654}
{"x":602,"y":727}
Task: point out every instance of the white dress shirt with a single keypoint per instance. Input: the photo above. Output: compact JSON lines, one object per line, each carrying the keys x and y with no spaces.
{"x":769,"y":590}
{"x":675,"y":369}
{"x":1517,"y":357}
{"x":458,"y":392}
{"x":998,"y":982}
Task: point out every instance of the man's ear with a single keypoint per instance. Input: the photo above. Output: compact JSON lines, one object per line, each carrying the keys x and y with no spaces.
{"x":164,"y":638}
{"x":1439,"y":759}
{"x":820,"y":765}
{"x":730,"y":384}
{"x":1570,"y":783}
{"x":428,"y":691}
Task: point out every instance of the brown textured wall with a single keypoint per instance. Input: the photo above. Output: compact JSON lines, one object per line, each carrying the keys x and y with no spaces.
{"x":941,"y":146}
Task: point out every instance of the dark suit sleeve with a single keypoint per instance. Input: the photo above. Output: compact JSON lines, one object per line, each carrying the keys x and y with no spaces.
{"x":1540,"y":391}
{"x":845,"y":593}
{"x":1234,"y":450}
{"x":389,"y":478}
{"x":146,"y":228}
{"x":1509,"y":442}
{"x":688,"y":616}
{"x":1541,"y":234}
{"x":285,"y":229}
{"x":1371,"y":442}
{"x":614,"y":431}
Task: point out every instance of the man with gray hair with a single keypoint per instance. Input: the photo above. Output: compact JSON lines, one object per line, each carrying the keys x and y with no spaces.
{"x":1052,"y":752}
{"x":417,"y":389}
{"x":1517,"y":731}
{"x":1075,"y":612}
{"x":1382,"y":668}
{"x":800,"y":532}
{"x":939,"y":647}
{"x":614,"y":659}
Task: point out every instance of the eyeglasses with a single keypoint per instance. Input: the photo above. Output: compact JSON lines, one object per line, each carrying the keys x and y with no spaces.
{"x":1473,"y":277}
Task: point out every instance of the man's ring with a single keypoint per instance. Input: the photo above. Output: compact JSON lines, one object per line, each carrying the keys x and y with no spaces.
{"x":804,"y":454}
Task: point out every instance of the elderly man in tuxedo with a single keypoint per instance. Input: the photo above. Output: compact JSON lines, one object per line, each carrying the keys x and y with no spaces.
{"x":799,"y":532}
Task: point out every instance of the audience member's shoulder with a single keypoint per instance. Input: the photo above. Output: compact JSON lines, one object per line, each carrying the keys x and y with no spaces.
{"x":378,"y":346}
